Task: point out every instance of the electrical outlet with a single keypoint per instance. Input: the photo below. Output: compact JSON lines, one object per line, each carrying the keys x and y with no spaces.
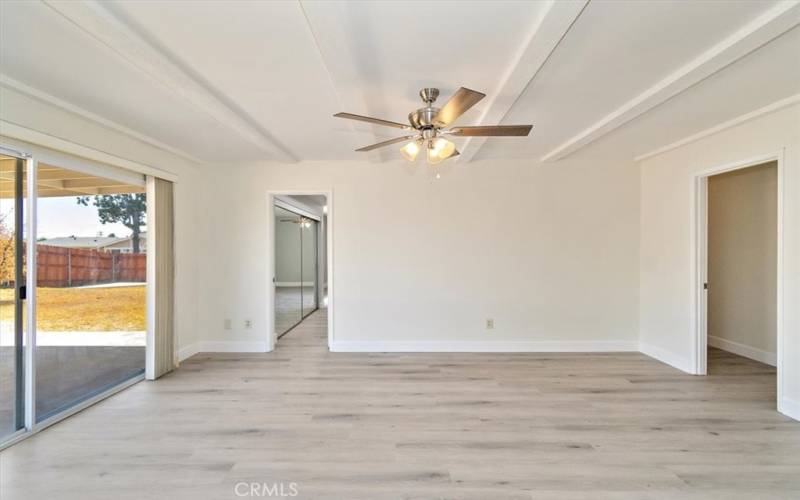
{"x":490,"y":323}
{"x":227,"y":323}
{"x":248,"y":323}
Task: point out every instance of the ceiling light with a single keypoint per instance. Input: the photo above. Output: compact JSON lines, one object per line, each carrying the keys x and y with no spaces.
{"x":440,"y":149}
{"x":427,"y":124}
{"x":410,"y":151}
{"x":325,"y":209}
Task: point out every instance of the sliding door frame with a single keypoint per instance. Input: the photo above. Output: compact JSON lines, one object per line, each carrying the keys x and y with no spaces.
{"x":32,"y":427}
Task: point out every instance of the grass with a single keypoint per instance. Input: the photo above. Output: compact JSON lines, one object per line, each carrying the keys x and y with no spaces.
{"x":84,"y":309}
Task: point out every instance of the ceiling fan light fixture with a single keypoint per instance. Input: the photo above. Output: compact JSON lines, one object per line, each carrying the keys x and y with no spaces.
{"x":410,"y":150}
{"x":430,"y":122}
{"x":440,"y":149}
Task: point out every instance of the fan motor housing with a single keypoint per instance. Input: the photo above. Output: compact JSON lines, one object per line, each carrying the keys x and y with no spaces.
{"x":423,"y":117}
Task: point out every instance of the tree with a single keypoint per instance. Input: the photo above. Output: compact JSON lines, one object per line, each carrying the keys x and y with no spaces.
{"x":127,"y":209}
{"x":7,"y":249}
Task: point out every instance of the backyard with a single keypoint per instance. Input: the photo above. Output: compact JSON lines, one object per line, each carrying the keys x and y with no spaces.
{"x":104,"y":308}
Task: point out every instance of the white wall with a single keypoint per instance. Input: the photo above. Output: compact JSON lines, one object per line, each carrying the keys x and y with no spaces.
{"x":33,"y":114}
{"x":549,"y":251}
{"x":667,"y":195}
{"x":743,"y":261}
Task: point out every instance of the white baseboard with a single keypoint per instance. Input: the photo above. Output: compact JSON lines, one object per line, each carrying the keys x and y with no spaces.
{"x":188,"y":351}
{"x":483,"y":346}
{"x":222,"y":346}
{"x":667,"y":357}
{"x":769,"y":358}
{"x":790,"y":408}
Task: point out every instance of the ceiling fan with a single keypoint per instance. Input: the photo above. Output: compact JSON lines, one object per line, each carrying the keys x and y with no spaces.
{"x":428,"y":125}
{"x":305,"y":222}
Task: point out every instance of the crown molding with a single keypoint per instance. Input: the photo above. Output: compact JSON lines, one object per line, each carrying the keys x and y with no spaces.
{"x":779,"y":19}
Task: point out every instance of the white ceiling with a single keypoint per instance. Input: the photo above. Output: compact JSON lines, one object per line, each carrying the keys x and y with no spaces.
{"x":242,"y":81}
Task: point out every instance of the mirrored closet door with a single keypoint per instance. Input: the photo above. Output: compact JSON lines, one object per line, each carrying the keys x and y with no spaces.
{"x":296,"y":272}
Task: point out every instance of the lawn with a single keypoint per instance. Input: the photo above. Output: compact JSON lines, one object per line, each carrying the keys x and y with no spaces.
{"x":84,"y":309}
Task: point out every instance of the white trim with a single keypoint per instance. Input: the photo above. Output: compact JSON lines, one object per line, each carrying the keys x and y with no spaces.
{"x":188,"y":351}
{"x":484,"y":346}
{"x":78,"y":164}
{"x":271,"y":197}
{"x":101,"y":23}
{"x":13,"y":131}
{"x":789,"y":407}
{"x":544,"y":37}
{"x":229,"y":346}
{"x":775,"y":106}
{"x":699,"y":261}
{"x":777,"y":20}
{"x":296,"y":209}
{"x":52,"y":100}
{"x":666,"y":357}
{"x":32,"y":166}
{"x":766,"y":357}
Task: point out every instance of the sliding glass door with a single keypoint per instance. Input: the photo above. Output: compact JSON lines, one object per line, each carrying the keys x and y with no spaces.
{"x":296,"y":274}
{"x":73,"y":279}
{"x":90,"y":286}
{"x":12,"y":282}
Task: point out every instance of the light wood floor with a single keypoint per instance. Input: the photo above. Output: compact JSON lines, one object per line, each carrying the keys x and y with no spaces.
{"x":461,"y":426}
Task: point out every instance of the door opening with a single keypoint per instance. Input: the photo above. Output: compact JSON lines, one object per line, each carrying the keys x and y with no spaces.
{"x":738,"y":272}
{"x":300,"y":264}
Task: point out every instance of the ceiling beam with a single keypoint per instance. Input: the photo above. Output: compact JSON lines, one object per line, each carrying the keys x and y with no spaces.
{"x":545,"y":36}
{"x":39,"y":95}
{"x":776,"y":21}
{"x":107,"y":26}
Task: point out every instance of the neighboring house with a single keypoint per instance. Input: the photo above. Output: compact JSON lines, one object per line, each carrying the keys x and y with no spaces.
{"x":95,"y":242}
{"x":125,"y":245}
{"x":104,"y":243}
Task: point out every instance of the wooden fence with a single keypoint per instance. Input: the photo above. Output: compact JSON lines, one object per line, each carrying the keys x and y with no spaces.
{"x":63,"y":267}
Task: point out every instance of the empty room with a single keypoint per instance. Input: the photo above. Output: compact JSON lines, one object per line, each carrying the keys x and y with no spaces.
{"x":377,"y":250}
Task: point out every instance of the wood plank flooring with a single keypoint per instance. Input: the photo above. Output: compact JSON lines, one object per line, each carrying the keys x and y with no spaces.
{"x":385,"y":426}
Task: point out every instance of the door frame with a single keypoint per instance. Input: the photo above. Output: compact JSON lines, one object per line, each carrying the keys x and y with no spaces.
{"x":699,"y":250}
{"x":272,"y":336}
{"x":32,"y":155}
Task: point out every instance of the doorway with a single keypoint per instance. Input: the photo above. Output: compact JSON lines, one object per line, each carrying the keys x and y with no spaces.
{"x":299,"y":263}
{"x":738,"y":271}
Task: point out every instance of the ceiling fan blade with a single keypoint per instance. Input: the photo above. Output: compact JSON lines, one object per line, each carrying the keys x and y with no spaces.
{"x":493,"y":131}
{"x":375,"y":121}
{"x":458,"y":104}
{"x":386,"y":143}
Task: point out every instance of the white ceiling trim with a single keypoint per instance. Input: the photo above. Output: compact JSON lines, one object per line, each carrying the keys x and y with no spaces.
{"x":37,"y":140}
{"x":553,"y":25}
{"x":102,"y":25}
{"x":774,"y":22}
{"x":334,"y":75}
{"x":42,"y":96}
{"x":769,"y":108}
